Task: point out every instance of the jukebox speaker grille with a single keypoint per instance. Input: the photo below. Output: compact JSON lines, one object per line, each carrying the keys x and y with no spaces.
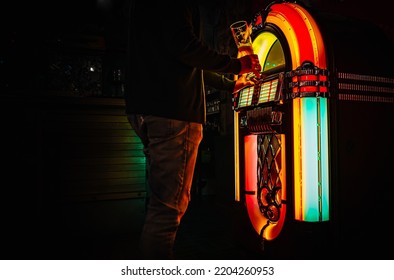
{"x":269,"y":182}
{"x":368,"y":88}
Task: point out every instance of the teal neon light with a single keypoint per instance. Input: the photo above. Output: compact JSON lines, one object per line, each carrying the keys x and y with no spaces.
{"x":315,"y":174}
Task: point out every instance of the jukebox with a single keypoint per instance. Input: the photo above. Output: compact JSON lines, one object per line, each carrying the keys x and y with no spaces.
{"x":313,"y":137}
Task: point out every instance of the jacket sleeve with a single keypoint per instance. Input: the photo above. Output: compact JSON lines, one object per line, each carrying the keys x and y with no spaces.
{"x":218,"y":81}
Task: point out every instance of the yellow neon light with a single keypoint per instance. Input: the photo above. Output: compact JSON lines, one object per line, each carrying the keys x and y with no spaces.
{"x":286,"y":19}
{"x":236,"y":158}
{"x":283,"y":24}
{"x":298,"y":205}
{"x":316,"y":38}
{"x":262,"y":45}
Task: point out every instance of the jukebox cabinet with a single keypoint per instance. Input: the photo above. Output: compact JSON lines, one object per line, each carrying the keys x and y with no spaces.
{"x":313,"y":137}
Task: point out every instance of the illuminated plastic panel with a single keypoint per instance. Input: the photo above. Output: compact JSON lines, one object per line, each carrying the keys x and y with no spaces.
{"x":311,"y":176}
{"x":265,"y":183}
{"x":268,"y":90}
{"x":310,"y":114}
{"x":245,"y":97}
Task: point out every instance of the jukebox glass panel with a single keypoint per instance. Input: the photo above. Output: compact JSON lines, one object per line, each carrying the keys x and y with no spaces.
{"x":269,"y":50}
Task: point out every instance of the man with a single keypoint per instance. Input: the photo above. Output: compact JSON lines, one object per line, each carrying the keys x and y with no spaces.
{"x":165,"y":104}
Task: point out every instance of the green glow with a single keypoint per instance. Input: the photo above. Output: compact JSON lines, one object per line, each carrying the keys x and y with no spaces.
{"x":314,"y":135}
{"x":324,"y":159}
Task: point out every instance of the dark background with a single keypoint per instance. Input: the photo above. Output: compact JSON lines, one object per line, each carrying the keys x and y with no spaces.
{"x":30,"y":30}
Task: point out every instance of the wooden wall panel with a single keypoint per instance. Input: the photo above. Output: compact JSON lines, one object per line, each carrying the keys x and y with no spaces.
{"x":94,"y":168}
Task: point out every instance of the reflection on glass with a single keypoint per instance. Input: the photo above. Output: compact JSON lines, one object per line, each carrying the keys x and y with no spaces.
{"x":275,"y":57}
{"x":269,"y":50}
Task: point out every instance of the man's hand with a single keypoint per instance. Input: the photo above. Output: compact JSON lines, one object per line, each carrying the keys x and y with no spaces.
{"x":250,"y":64}
{"x":244,"y":80}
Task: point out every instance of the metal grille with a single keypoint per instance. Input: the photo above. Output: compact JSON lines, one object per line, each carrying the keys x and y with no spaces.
{"x":367,"y":88}
{"x":268,"y":176}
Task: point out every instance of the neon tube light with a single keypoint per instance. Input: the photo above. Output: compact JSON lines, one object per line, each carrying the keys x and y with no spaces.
{"x":311,"y":178}
{"x":310,"y":115}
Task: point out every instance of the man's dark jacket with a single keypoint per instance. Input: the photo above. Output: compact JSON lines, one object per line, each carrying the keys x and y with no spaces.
{"x":167,"y":58}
